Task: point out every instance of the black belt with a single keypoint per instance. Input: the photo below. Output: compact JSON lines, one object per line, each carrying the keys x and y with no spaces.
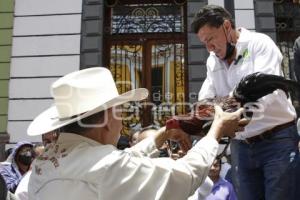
{"x":268,"y":134}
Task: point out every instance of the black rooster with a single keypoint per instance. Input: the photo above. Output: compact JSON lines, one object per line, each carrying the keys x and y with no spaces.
{"x":249,"y":89}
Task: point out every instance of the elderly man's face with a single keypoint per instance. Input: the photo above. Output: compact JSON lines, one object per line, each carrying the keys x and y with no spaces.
{"x":116,"y":123}
{"x":49,"y":137}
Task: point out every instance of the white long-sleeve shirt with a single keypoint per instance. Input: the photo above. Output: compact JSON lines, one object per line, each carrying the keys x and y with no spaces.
{"x":22,"y":190}
{"x":77,"y":167}
{"x":259,"y":54}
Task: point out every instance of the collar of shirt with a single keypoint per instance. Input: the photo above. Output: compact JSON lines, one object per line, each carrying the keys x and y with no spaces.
{"x":75,"y":138}
{"x":221,"y":181}
{"x":241,"y":47}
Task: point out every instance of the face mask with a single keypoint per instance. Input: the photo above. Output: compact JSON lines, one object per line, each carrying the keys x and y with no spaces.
{"x":25,"y":158}
{"x":229,"y":50}
{"x":229,"y":47}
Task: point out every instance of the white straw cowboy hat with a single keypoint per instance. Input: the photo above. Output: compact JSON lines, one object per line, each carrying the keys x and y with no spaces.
{"x":81,"y":94}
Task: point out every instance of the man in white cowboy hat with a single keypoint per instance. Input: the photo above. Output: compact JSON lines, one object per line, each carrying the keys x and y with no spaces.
{"x":84,"y":163}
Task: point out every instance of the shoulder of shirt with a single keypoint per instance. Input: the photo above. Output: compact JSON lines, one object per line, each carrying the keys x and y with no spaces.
{"x":261,"y":39}
{"x":257,"y":41}
{"x":254,"y":37}
{"x":223,"y":181}
{"x":251,"y":35}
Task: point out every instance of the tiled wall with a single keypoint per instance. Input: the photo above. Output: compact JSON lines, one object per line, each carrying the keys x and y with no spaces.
{"x":244,"y":14}
{"x":197,"y":53}
{"x":265,"y":18}
{"x":46,"y":46}
{"x":243,"y":11}
{"x":92,"y":33}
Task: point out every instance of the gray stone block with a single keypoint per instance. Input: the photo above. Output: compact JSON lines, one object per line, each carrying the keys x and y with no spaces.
{"x":197,"y":72}
{"x":93,"y":27}
{"x":90,"y":2}
{"x":189,"y":22}
{"x":265,"y":23}
{"x":193,"y":41}
{"x":197,"y":56}
{"x":92,"y":11}
{"x":194,"y":88}
{"x":272,"y":35}
{"x":296,"y":23}
{"x":91,"y":43}
{"x":91,"y":59}
{"x":265,"y":8}
{"x":193,"y":8}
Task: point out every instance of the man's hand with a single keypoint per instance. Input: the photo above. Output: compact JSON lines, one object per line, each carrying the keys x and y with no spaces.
{"x":226,"y":124}
{"x":181,"y":137}
{"x":177,"y":135}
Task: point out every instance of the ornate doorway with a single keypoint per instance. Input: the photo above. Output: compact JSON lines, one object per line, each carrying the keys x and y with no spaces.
{"x":145,"y":46}
{"x":287,"y":17}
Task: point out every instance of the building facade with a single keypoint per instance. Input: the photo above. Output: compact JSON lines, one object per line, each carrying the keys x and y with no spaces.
{"x":6,"y":27}
{"x":146,"y":44}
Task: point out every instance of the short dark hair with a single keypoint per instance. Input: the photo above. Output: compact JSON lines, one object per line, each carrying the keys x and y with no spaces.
{"x":211,"y":15}
{"x":77,"y":128}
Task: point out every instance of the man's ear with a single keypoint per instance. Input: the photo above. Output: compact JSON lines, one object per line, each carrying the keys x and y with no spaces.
{"x":227,"y":24}
{"x":109,"y":120}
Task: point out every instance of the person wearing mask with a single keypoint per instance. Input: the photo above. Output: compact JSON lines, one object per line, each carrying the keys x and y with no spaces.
{"x":49,"y":138}
{"x":265,"y":154}
{"x":17,"y":164}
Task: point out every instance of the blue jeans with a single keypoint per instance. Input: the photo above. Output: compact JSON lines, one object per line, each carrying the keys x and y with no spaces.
{"x":268,"y":169}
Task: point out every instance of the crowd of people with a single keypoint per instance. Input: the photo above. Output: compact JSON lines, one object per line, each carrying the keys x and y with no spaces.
{"x":88,"y":160}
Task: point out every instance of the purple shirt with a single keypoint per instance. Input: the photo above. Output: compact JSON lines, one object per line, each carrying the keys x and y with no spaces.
{"x":222,"y":190}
